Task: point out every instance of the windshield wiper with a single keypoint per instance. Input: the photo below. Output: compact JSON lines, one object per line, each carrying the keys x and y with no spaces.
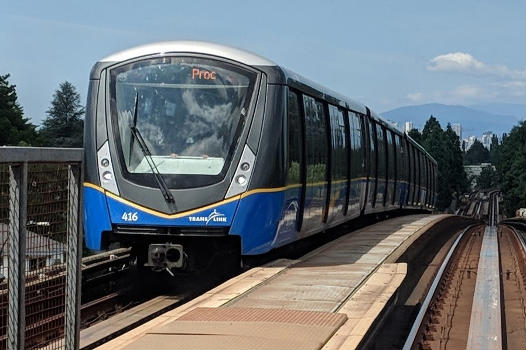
{"x":168,"y":197}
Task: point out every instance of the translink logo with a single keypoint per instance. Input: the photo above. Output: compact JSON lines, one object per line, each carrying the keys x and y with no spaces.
{"x":214,"y":216}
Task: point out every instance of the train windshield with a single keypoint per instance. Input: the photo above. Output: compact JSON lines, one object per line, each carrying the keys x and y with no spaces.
{"x":190,"y":112}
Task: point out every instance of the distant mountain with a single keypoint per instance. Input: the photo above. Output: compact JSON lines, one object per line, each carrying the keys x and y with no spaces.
{"x":514,"y":109}
{"x":473,"y":121}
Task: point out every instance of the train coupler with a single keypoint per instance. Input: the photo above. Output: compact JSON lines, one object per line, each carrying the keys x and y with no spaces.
{"x":167,"y":256}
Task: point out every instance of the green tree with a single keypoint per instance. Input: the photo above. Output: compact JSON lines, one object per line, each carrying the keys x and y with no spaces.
{"x":415,"y":135}
{"x":64,"y":125}
{"x":455,"y":175}
{"x":432,"y":138}
{"x":494,"y":150}
{"x":477,"y":154}
{"x":487,"y":179}
{"x":15,"y":130}
{"x":511,"y":169}
{"x":444,"y":146}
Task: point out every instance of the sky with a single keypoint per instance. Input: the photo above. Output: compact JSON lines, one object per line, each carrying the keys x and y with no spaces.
{"x":385,"y":54}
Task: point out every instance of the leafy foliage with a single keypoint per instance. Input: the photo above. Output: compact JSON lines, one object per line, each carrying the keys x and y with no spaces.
{"x":15,"y":130}
{"x":494,"y":150}
{"x":477,"y":154}
{"x":64,"y":125}
{"x":511,"y":169}
{"x":415,"y":135}
{"x":444,"y":146}
{"x":487,"y":179}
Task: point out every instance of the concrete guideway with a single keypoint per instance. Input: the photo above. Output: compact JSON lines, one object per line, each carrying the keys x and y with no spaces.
{"x":485,"y":329}
{"x":327,"y":299}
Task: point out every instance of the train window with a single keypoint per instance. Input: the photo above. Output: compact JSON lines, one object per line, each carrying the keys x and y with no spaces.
{"x":409,"y":171}
{"x":400,"y":154}
{"x":294,"y":139}
{"x":419,"y":169}
{"x":339,"y":144}
{"x":357,"y":159}
{"x":392,"y":171}
{"x":339,"y":159}
{"x":357,"y":154}
{"x":381,"y":164}
{"x":414,"y":161}
{"x":316,"y":140}
{"x":190,"y":112}
{"x":428,"y":181}
{"x":373,"y":157}
{"x":391,"y":156}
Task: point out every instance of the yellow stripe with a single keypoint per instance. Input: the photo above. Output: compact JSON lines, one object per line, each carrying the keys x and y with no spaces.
{"x":157,"y":213}
{"x":193,"y":211}
{"x":170,"y":216}
{"x":95,"y":187}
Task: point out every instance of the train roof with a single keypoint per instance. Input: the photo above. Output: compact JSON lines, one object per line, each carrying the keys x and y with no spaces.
{"x":203,"y":47}
{"x":251,"y":59}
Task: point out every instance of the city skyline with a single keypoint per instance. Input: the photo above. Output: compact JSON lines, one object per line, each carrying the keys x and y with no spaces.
{"x":467,"y":142}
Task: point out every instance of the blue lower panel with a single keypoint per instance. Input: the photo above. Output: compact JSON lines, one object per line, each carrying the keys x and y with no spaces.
{"x":96,"y":217}
{"x":256,"y":221}
{"x":122,"y":213}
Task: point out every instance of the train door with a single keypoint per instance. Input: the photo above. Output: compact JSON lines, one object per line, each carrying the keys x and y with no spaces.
{"x":418,"y":183}
{"x":411,"y":173}
{"x":339,"y":163}
{"x":358,"y":175}
{"x":392,"y":169}
{"x":373,"y":161}
{"x":403,"y":169}
{"x":294,"y":194}
{"x":316,"y":164}
{"x":428,"y":183}
{"x":381,"y":166}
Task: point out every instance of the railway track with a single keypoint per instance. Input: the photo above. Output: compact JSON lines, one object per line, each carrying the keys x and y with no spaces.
{"x":477,"y":299}
{"x":45,"y":291}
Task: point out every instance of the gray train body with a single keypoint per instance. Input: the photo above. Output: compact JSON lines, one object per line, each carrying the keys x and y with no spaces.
{"x":195,"y":149}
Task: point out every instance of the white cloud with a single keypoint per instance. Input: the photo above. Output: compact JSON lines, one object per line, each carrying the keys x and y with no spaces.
{"x":467,"y":91}
{"x":508,"y":91}
{"x":415,"y":96}
{"x":465,"y":63}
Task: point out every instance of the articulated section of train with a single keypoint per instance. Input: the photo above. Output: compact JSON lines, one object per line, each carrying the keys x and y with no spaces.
{"x":195,"y":149}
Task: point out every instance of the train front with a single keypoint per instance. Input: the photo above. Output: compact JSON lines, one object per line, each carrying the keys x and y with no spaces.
{"x":166,"y":157}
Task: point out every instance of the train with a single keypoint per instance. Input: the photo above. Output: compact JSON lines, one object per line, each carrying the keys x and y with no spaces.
{"x":195,"y":150}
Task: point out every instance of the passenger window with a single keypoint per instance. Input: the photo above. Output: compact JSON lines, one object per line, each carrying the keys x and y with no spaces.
{"x":357,"y":154}
{"x":373,"y":158}
{"x":391,"y":156}
{"x":381,"y":152}
{"x":294,"y":143}
{"x":316,"y":140}
{"x":339,"y":144}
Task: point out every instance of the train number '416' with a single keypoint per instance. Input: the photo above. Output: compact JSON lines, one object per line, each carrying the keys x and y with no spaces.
{"x":130,"y":216}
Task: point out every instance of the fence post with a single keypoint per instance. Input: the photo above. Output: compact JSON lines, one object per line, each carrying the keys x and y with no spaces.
{"x":17,"y":255}
{"x":74,"y":258}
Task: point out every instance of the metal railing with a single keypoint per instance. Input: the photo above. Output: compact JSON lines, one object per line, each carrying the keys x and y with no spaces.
{"x":40,"y":247}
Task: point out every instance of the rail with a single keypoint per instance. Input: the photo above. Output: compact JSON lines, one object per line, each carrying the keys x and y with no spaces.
{"x":429,"y":296}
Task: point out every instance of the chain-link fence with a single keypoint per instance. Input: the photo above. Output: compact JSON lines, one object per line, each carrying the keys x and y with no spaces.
{"x":40,"y":247}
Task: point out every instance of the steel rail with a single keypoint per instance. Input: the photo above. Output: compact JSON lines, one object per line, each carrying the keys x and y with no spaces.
{"x":425,"y":305}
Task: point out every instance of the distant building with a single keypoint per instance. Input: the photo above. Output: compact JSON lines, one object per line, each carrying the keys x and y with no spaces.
{"x":469,"y":142}
{"x":486,"y":139}
{"x":457,"y":128}
{"x":41,"y":251}
{"x":408,"y":126}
